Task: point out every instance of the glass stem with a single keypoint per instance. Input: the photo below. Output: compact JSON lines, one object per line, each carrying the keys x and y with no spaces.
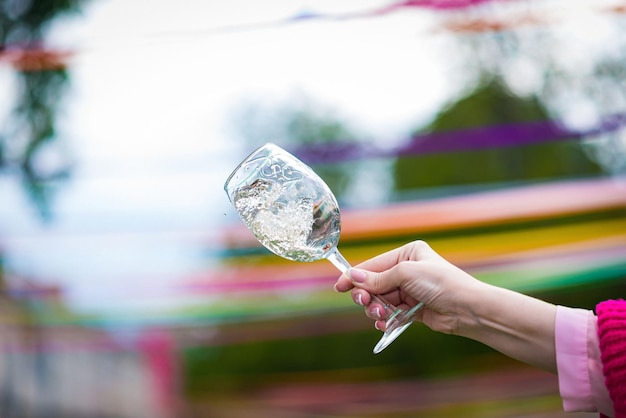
{"x":397,"y":320}
{"x":335,"y":257}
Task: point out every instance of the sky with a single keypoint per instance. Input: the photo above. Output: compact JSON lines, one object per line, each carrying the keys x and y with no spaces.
{"x":155,"y":93}
{"x":147,"y":123}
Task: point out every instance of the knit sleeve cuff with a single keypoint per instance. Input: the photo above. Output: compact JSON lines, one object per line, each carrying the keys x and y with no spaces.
{"x":612,"y":335}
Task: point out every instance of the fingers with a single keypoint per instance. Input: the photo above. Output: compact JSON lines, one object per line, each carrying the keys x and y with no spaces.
{"x":382,"y":261}
{"x":413,"y":251}
{"x":359,"y":278}
{"x":391,"y":275}
{"x":361,"y":297}
{"x":344,"y":283}
{"x":366,"y":280}
{"x":376,"y":283}
{"x":374,"y":309}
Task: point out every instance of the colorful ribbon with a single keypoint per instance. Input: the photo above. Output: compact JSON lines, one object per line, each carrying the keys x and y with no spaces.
{"x":471,"y":139}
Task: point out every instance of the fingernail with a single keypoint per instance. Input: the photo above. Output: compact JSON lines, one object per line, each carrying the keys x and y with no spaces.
{"x":376,"y":312}
{"x":359,"y":299}
{"x":357,"y":275}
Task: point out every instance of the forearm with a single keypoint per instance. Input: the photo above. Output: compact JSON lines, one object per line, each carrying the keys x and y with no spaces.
{"x":517,"y":325}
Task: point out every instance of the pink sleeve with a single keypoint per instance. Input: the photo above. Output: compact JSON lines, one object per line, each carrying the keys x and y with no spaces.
{"x":581,"y":381}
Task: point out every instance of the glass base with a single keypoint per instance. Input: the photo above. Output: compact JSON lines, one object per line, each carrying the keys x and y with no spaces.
{"x":396,"y":324}
{"x":389,"y":336}
{"x":397,"y":319}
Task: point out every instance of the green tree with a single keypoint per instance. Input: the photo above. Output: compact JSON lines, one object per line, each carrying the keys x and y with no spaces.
{"x":294,"y":122}
{"x":42,"y":79}
{"x":491,"y":104}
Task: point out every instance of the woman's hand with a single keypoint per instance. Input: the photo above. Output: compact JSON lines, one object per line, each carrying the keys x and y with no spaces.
{"x":517,"y":325}
{"x":411,"y":274}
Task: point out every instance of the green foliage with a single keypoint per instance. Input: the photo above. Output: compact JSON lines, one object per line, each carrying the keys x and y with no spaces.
{"x":2,"y":281}
{"x":491,"y":104}
{"x":35,"y":14}
{"x":347,"y":357}
{"x":23,"y":25}
{"x":296,"y":121}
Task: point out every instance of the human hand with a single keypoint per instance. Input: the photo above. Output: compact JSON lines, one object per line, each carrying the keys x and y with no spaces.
{"x":411,"y":274}
{"x":517,"y":325}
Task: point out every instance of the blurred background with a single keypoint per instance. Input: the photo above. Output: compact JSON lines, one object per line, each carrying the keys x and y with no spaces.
{"x":494,"y":130}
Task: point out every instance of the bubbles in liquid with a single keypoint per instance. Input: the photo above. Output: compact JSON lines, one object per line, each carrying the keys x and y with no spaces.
{"x":293,"y":226}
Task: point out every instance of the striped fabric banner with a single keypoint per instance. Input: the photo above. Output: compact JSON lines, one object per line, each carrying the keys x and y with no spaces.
{"x":471,"y":139}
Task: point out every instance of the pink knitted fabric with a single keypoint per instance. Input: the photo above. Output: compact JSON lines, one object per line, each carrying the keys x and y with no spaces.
{"x":612,"y":334}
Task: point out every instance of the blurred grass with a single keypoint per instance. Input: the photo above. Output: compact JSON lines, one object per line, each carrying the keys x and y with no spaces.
{"x":249,"y":363}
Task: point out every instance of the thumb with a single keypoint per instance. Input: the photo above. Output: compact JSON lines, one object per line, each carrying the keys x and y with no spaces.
{"x":377,"y":283}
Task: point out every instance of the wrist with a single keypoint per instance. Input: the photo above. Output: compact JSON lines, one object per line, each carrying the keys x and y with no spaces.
{"x":519,"y":326}
{"x":476,"y":309}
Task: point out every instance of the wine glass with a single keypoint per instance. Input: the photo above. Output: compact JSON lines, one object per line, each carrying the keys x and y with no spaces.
{"x":294,"y":214}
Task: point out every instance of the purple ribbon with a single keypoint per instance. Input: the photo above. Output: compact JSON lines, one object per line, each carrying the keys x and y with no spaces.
{"x":471,"y":139}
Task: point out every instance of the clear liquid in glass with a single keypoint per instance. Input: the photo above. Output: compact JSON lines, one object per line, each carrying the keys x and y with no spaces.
{"x":300,"y":224}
